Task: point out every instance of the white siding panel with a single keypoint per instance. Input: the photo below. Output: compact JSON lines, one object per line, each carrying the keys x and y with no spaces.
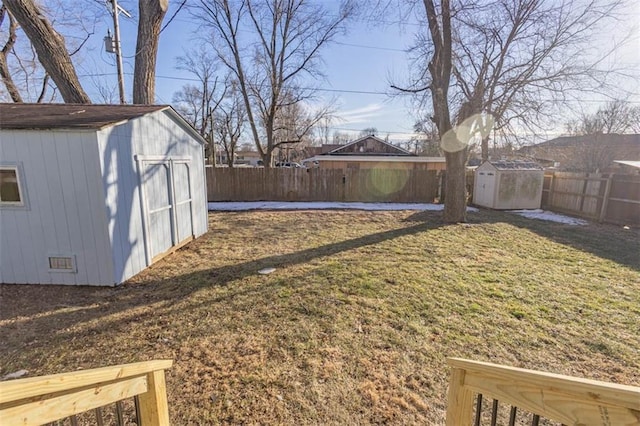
{"x":71,"y":199}
{"x":108,"y":160}
{"x":98,"y":216}
{"x":10,"y":227}
{"x":60,"y":219}
{"x":84,"y":232}
{"x":40,"y":205}
{"x":7,"y":251}
{"x":120,"y":181}
{"x":26,"y":221}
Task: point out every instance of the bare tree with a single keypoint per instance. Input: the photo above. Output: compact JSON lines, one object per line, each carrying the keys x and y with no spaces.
{"x":198,"y":103}
{"x":289,"y":35}
{"x":341,"y":138}
{"x":369,"y":131}
{"x":144,"y":75}
{"x":228,"y":124}
{"x":426,"y":141}
{"x":616,"y":116}
{"x":55,"y":56}
{"x":508,"y":61}
{"x":12,"y":89}
{"x":440,"y":67}
{"x":294,"y":126}
{"x":515,"y":59}
{"x":50,"y":47}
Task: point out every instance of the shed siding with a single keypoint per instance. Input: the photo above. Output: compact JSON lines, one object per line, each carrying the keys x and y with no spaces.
{"x":121,"y":201}
{"x":160,"y":134}
{"x":507,"y":189}
{"x":156,"y":134}
{"x":60,"y":175}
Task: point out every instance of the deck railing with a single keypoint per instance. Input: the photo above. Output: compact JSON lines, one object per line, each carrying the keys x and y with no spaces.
{"x":45,"y":399}
{"x":558,"y":399}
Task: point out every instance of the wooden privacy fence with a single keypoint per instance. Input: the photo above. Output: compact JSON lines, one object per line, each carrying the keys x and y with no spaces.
{"x":84,"y":396}
{"x":526,"y":397}
{"x":284,"y":184}
{"x":611,"y":198}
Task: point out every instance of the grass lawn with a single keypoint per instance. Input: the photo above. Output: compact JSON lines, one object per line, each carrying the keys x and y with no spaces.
{"x":355,"y":324}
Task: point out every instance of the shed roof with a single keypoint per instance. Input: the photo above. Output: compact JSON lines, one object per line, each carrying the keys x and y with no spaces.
{"x":69,"y":116}
{"x":515,"y":165}
{"x":635,"y":164}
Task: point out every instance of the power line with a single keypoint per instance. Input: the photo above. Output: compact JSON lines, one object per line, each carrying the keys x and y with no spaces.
{"x":350,"y":91}
{"x":363,"y":46}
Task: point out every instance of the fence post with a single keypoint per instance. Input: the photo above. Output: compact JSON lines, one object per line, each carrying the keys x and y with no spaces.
{"x":552,"y":185}
{"x":605,"y":199}
{"x":154,"y":409}
{"x":459,"y":400}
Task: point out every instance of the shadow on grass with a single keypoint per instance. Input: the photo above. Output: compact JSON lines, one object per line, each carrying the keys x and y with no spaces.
{"x":48,"y":323}
{"x":65,"y":306}
{"x":606,"y":241}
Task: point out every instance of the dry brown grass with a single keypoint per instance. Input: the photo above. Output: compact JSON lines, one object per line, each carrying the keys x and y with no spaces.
{"x":355,"y":324}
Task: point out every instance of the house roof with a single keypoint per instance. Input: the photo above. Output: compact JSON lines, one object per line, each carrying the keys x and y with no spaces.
{"x":21,"y":116}
{"x":391,"y":149}
{"x":598,"y":138}
{"x":378,"y":158}
{"x":515,"y":165}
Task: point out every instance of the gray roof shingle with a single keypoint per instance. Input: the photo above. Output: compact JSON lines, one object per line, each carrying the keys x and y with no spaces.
{"x":69,"y":116}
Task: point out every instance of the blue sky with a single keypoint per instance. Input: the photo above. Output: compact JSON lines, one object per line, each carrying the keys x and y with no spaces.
{"x":364,"y":60}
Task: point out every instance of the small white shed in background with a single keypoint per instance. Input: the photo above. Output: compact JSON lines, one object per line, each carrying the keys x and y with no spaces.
{"x":508,"y":185}
{"x":94,"y":194}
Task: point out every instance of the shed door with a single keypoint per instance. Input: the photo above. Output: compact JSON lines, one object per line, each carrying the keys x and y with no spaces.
{"x":484,"y":188}
{"x":159,"y":216}
{"x":183,"y":201}
{"x":167,"y":204}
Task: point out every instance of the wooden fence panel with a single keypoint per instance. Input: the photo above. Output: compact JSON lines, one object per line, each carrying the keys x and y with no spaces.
{"x":284,"y":184}
{"x":603,"y":197}
{"x":623,"y":202}
{"x":568,"y":190}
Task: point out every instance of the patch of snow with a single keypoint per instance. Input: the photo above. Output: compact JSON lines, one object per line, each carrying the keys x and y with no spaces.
{"x":14,"y":375}
{"x":549,"y":216}
{"x":319,"y":205}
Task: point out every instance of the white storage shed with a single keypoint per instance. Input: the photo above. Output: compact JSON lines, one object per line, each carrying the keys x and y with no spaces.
{"x":94,"y":194}
{"x":508,"y":185}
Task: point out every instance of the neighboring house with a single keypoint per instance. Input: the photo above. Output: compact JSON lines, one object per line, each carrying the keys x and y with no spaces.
{"x":371,"y":152}
{"x":94,"y":194}
{"x":588,"y":153}
{"x":221,"y":158}
{"x":249,"y":158}
{"x":507,"y":185}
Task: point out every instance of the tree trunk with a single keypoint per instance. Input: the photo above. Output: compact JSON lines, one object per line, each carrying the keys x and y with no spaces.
{"x":455,"y":205}
{"x":144,"y":85}
{"x":455,"y":209}
{"x":51,"y":49}
{"x":4,"y":67}
{"x":485,"y":149}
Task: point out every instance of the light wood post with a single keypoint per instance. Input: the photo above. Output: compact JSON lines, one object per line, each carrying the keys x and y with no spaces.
{"x":154,"y":409}
{"x":605,"y":199}
{"x":552,"y":185}
{"x":459,"y":400}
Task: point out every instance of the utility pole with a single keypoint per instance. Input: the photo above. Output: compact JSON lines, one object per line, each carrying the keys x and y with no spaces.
{"x":118,"y":51}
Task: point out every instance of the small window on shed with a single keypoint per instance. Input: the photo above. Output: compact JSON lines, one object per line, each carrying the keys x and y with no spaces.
{"x":10,"y":188}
